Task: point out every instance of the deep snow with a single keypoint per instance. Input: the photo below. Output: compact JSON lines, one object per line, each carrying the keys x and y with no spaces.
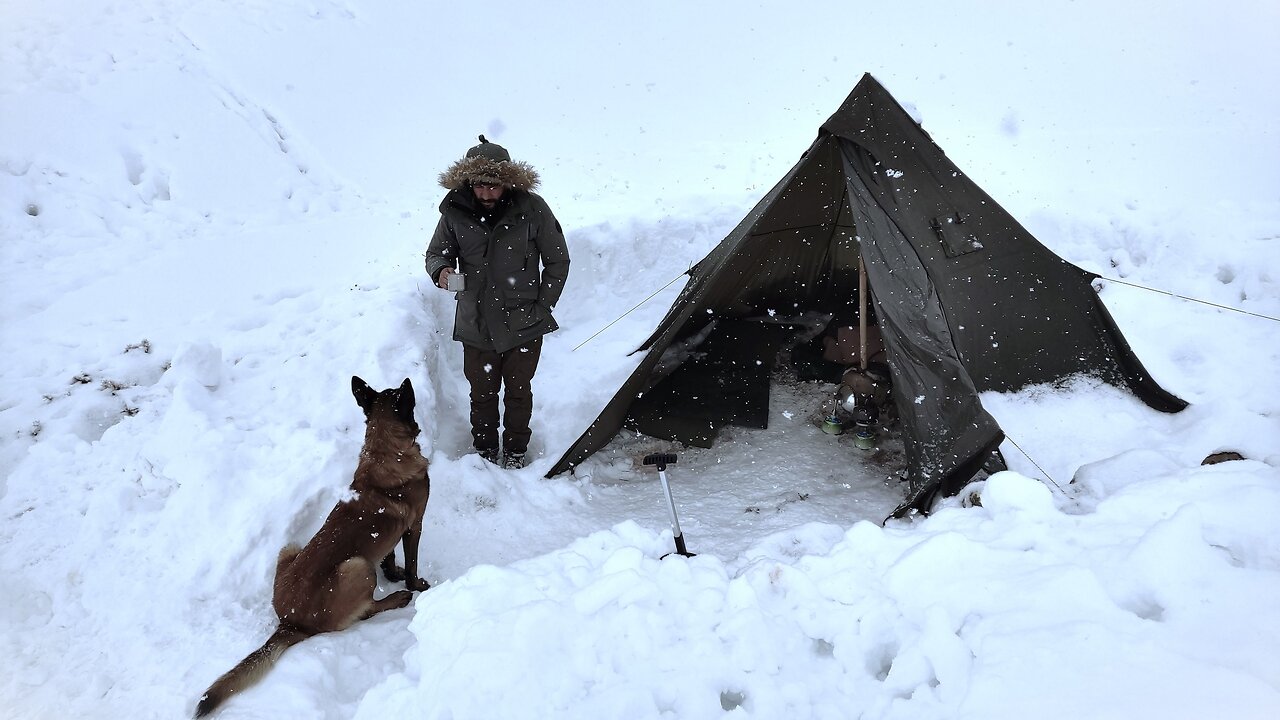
{"x":212,"y":214}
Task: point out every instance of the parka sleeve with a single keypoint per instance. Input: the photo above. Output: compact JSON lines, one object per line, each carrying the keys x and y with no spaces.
{"x":442,"y":252}
{"x":555,"y":260}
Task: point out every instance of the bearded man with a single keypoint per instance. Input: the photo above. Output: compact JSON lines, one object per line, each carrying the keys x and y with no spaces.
{"x":500,"y":248}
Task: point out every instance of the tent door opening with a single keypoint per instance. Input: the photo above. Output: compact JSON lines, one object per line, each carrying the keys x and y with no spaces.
{"x":722,"y":375}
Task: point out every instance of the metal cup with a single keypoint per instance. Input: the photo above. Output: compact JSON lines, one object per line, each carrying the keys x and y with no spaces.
{"x":456,"y":282}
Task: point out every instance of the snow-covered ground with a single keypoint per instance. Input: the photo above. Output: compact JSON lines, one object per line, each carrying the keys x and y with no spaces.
{"x":212,"y":215}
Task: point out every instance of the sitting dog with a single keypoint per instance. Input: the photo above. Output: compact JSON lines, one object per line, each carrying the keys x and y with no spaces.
{"x":328,"y":584}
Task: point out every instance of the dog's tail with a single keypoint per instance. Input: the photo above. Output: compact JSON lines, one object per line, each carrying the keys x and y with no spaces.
{"x":251,"y":669}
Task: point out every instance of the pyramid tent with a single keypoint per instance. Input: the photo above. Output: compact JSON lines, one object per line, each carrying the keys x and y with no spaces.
{"x":967,"y":300}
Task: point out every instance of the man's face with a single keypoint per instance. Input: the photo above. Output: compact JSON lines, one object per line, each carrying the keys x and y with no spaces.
{"x":487,"y":194}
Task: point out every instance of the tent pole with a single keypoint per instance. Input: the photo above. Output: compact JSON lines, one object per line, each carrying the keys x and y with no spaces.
{"x":862,"y":310}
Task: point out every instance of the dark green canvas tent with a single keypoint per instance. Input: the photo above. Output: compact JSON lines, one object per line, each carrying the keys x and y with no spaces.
{"x":966,"y":299}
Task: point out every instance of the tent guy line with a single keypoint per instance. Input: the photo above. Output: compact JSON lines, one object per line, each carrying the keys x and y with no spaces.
{"x":1190,"y":299}
{"x":1047,"y":476}
{"x":637,"y":307}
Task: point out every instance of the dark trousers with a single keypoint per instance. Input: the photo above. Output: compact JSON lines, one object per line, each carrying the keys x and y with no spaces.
{"x":512,"y":373}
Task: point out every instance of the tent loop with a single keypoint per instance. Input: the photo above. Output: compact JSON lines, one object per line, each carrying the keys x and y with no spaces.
{"x":1190,"y":299}
{"x":1033,"y":462}
{"x":642,"y":302}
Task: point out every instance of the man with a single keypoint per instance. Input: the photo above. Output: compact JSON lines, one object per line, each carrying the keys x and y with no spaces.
{"x":509,"y":250}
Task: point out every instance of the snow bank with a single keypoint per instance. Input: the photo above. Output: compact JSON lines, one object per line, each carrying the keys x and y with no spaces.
{"x":991,"y":610}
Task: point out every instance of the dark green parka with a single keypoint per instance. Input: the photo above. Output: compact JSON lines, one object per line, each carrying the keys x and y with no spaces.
{"x":516,"y":262}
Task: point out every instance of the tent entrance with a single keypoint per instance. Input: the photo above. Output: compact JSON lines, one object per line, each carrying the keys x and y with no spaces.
{"x":724,"y":382}
{"x":795,"y":261}
{"x":723,"y":376}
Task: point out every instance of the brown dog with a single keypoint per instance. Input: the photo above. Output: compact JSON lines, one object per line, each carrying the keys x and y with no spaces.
{"x":328,"y":584}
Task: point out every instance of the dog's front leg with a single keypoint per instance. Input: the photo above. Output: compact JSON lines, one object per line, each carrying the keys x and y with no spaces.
{"x":410,"y":544}
{"x":393,"y":572}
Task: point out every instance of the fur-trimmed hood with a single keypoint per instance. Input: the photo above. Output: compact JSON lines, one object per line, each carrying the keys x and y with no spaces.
{"x":489,"y":163}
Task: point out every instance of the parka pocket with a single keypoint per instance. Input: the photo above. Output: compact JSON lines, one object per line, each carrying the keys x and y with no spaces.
{"x":523,"y":317}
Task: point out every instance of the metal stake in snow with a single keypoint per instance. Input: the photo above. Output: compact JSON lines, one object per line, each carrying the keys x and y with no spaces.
{"x":662,"y":460}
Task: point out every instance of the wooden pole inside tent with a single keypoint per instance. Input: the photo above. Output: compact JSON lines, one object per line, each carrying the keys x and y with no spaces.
{"x":862,"y":310}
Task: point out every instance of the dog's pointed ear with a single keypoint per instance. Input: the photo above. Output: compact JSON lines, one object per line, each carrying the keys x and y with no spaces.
{"x":364,"y":394}
{"x":405,"y":401}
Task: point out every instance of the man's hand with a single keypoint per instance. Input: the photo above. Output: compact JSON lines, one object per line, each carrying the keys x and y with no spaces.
{"x":442,"y":280}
